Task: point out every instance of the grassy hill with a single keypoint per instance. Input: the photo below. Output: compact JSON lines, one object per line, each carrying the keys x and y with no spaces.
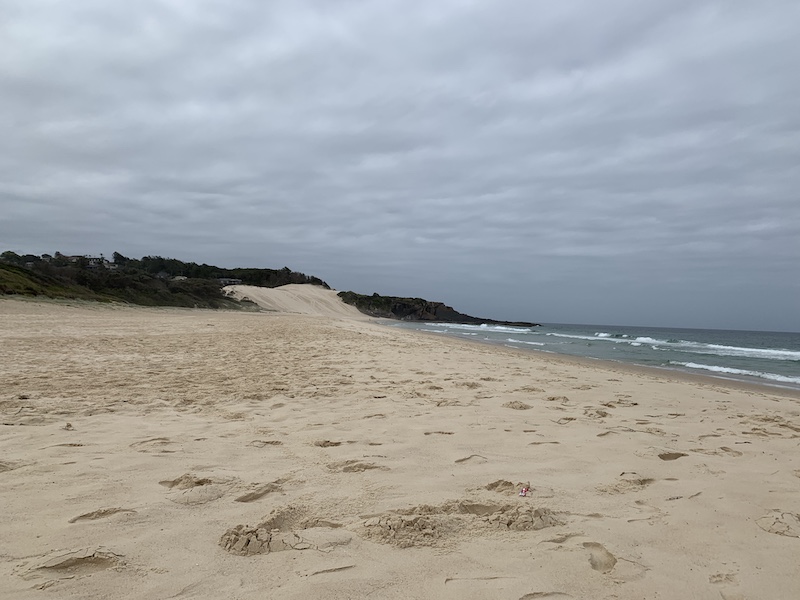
{"x":150,"y":281}
{"x":25,"y":282}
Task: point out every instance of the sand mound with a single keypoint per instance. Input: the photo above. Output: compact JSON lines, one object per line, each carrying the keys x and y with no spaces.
{"x":284,"y":529}
{"x":407,"y":531}
{"x":425,"y":525}
{"x":301,"y":299}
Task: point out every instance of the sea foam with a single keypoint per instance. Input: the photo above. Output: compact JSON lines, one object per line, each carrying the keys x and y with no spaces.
{"x":732,"y":371}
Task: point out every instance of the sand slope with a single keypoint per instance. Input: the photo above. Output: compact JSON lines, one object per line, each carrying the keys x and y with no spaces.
{"x":173,"y":453}
{"x":297,"y":299}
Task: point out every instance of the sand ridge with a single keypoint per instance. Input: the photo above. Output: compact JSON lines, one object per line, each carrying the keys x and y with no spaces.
{"x":297,"y":299}
{"x":199,"y":454}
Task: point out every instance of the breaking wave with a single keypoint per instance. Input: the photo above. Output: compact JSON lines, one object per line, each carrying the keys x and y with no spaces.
{"x":732,"y":371}
{"x":687,"y":346}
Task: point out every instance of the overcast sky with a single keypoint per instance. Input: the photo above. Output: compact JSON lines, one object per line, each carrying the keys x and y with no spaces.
{"x":615,"y":162}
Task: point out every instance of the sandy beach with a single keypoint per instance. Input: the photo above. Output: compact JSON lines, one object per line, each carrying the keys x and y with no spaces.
{"x":308,"y":452}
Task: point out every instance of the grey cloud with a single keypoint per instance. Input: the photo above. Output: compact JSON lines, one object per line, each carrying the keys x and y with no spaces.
{"x":585,"y":161}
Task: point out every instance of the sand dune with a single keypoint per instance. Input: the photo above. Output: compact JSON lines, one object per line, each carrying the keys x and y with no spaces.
{"x":174,"y":453}
{"x":297,"y":299}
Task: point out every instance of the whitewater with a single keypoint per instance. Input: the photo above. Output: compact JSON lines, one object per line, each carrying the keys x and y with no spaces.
{"x":761,"y":357}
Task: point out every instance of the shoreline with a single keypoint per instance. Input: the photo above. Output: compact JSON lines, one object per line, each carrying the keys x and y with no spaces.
{"x":676,"y":373}
{"x":667,"y":372}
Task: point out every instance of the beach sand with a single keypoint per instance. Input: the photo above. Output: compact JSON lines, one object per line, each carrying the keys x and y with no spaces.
{"x":308,"y":452}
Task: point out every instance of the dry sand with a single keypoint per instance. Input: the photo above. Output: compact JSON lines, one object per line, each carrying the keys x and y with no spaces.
{"x":168,"y":453}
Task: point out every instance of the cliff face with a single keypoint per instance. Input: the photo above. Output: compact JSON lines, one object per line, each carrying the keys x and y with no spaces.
{"x":417,"y":309}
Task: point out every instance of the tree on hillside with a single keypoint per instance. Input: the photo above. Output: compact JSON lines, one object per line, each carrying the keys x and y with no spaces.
{"x":10,"y":257}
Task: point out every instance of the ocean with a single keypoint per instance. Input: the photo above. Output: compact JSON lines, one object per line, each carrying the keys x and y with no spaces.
{"x":760,"y":357}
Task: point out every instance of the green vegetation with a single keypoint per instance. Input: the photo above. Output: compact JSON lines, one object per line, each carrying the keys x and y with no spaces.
{"x":389,"y":307}
{"x":149,"y":281}
{"x":22,"y":281}
{"x":158,"y":281}
{"x":416,"y":309}
{"x":171,"y":267}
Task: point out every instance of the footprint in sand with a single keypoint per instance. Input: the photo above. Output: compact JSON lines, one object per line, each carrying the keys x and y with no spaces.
{"x":154,"y":445}
{"x":599,"y":558}
{"x":8,"y":466}
{"x":327,"y":444}
{"x":101,"y":513}
{"x":517,"y":405}
{"x":596,"y":413}
{"x":730,"y":451}
{"x":562,"y":538}
{"x":671,"y":455}
{"x":191,"y":490}
{"x":260,"y":492}
{"x":781,"y":523}
{"x":332,"y":569}
{"x":560,"y":399}
{"x":440,"y":403}
{"x":185,"y":482}
{"x":354,"y":466}
{"x":651,"y":513}
{"x":602,"y":561}
{"x":630,"y":481}
{"x":529,"y":388}
{"x":264,"y":443}
{"x":74,"y":562}
{"x":717,"y":452}
{"x":722,"y":578}
{"x":622,"y":400}
{"x":476,"y":458}
{"x":468,"y":384}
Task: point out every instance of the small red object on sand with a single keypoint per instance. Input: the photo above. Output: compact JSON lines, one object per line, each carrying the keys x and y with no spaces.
{"x":524,"y":491}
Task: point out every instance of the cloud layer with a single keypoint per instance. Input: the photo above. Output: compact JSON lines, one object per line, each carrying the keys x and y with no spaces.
{"x":615,"y":162}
